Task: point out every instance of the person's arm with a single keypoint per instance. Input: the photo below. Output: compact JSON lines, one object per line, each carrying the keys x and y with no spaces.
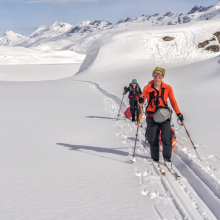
{"x":140,"y":92}
{"x":173,"y":100}
{"x":143,"y":95}
{"x":126,"y":89}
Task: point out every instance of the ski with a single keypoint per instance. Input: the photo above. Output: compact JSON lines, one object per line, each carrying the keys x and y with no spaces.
{"x":172,"y":171}
{"x":160,"y":168}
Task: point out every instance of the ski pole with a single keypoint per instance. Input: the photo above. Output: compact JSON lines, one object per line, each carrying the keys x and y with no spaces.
{"x":191,"y":140}
{"x":120,"y":106}
{"x":136,"y":136}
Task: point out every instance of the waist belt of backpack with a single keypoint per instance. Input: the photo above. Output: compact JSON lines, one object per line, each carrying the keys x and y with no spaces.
{"x":137,"y":97}
{"x":150,"y":113}
{"x":132,"y":97}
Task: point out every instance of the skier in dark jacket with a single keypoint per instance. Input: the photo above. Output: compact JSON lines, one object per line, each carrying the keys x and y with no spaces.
{"x":134,"y":94}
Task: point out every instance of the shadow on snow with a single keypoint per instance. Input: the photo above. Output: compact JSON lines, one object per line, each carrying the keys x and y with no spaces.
{"x":99,"y":150}
{"x":99,"y":117}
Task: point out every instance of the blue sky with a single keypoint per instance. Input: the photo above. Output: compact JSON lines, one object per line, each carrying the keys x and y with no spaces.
{"x":24,"y":16}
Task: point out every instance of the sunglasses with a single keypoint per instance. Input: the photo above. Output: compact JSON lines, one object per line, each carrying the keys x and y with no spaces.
{"x":159,"y":74}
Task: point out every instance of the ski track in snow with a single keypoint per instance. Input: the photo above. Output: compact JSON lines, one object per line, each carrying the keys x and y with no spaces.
{"x":192,"y":197}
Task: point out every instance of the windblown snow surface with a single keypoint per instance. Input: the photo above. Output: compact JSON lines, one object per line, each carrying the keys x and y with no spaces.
{"x":22,"y":55}
{"x":65,"y":156}
{"x":11,"y":59}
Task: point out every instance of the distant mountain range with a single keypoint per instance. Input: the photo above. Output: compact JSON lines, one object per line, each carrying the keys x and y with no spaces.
{"x":78,"y":38}
{"x":10,"y":38}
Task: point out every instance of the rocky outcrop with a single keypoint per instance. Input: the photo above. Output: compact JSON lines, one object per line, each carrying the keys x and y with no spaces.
{"x":214,"y":48}
{"x":217,"y":34}
{"x":205,"y":43}
{"x":202,"y":45}
{"x":168,"y":38}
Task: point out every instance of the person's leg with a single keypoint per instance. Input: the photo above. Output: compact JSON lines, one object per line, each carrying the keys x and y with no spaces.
{"x":152,"y":135}
{"x":132,"y":109}
{"x":166,"y":138}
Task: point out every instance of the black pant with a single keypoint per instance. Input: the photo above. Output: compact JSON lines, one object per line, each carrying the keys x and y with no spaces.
{"x":134,"y":107}
{"x":152,"y":135}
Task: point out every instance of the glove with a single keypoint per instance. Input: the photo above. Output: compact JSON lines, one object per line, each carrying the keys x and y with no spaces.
{"x":180,"y":116}
{"x":141,"y":100}
{"x":125,"y":90}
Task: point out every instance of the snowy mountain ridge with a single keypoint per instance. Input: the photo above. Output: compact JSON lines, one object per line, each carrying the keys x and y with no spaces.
{"x":9,"y":38}
{"x":199,"y":9}
{"x":79,"y":38}
{"x":42,"y":32}
{"x":90,"y":26}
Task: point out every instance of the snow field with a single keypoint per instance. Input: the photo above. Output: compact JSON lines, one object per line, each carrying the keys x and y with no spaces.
{"x":64,"y":157}
{"x":37,"y":72}
{"x":193,"y":199}
{"x":151,"y":186}
{"x":114,"y":61}
{"x":47,"y":170}
{"x":22,"y":55}
{"x":14,"y":60}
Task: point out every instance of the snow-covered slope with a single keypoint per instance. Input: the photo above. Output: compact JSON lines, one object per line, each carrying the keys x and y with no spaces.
{"x":83,"y":37}
{"x":212,"y":13}
{"x":79,"y":157}
{"x":115,"y":60}
{"x":193,"y":72}
{"x":55,"y":156}
{"x":148,"y":47}
{"x":62,"y":156}
{"x":21,"y":55}
{"x":9,"y":38}
{"x":78,"y":38}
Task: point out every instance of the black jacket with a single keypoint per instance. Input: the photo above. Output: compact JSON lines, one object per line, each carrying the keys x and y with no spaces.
{"x":134,"y":93}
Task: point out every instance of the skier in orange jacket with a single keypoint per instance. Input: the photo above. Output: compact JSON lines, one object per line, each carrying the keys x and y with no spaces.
{"x":157,"y":92}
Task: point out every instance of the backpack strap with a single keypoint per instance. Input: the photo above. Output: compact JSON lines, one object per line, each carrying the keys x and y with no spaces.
{"x":152,"y":98}
{"x":162,"y":97}
{"x":130,"y":91}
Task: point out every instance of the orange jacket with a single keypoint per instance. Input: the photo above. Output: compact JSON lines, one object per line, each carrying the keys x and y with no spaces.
{"x":168,"y":92}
